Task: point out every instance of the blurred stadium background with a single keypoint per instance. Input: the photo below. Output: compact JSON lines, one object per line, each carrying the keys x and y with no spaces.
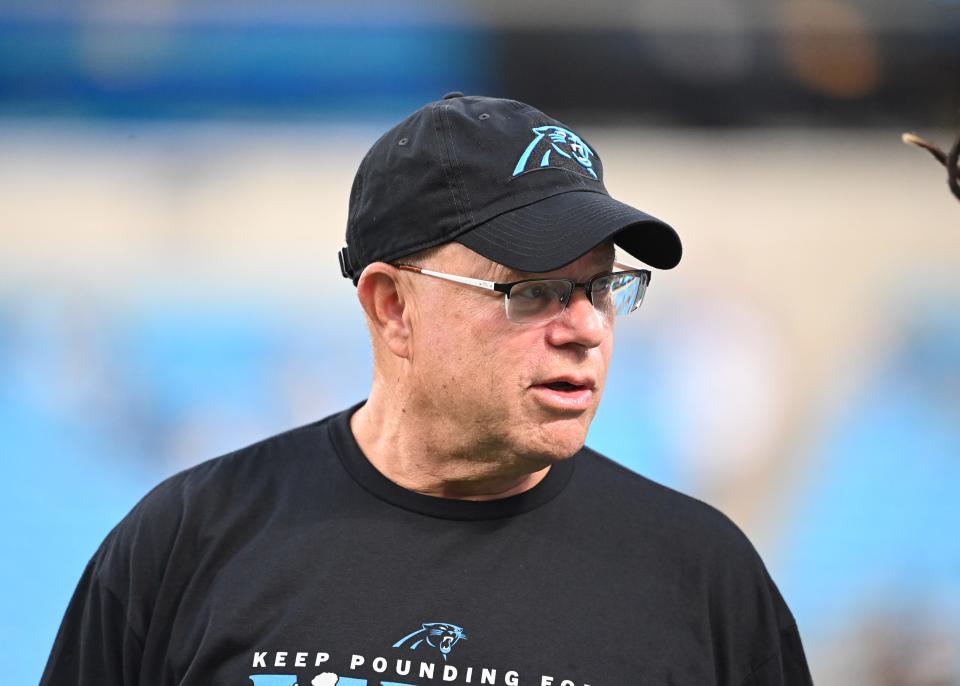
{"x":174,"y":180}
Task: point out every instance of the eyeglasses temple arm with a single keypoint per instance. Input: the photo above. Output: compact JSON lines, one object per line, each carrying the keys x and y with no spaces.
{"x":466,"y":280}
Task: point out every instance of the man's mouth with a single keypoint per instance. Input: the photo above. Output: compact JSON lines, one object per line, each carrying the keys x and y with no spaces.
{"x":563,"y":386}
{"x":566,"y":393}
{"x":569,"y":383}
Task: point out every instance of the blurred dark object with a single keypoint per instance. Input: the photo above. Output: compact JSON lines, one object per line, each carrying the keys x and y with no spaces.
{"x":950,"y":160}
{"x":762,"y":78}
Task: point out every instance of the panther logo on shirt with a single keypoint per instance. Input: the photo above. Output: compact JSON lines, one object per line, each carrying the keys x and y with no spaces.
{"x":556,"y":148}
{"x":440,"y":635}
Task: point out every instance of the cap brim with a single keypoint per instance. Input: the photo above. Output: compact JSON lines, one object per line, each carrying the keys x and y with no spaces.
{"x":557,"y":230}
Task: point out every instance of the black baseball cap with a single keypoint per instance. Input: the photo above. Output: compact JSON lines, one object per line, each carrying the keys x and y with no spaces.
{"x":500,"y":177}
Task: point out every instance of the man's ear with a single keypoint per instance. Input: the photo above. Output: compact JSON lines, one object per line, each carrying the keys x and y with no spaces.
{"x":381,"y":296}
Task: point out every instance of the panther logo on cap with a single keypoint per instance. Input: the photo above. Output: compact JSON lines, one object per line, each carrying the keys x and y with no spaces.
{"x":565,"y":143}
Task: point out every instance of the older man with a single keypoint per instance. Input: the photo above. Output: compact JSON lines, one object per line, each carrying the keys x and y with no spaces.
{"x":452,"y":528}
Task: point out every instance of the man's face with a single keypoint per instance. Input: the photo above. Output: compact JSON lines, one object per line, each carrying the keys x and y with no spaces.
{"x":485,"y":378}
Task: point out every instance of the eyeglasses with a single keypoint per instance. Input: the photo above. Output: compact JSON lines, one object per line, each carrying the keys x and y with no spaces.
{"x":541,"y":300}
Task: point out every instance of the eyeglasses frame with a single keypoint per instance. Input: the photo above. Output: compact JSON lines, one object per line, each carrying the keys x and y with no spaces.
{"x":505,"y":287}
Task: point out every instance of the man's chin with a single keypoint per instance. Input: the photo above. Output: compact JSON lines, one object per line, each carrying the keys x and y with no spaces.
{"x":560,"y":439}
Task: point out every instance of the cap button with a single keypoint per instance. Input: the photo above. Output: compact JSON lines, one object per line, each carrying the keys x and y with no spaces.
{"x":453,"y":94}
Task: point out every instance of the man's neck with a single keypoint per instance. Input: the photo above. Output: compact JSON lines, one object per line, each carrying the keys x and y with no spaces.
{"x":407,"y":451}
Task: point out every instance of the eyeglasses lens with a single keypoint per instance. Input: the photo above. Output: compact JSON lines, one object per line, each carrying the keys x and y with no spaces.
{"x":618,"y":294}
{"x":535,"y":301}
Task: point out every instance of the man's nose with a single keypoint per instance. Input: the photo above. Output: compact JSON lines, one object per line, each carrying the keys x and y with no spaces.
{"x":579,"y":323}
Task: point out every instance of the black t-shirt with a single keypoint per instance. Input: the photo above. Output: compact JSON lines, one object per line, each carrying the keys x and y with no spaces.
{"x":294,"y":561}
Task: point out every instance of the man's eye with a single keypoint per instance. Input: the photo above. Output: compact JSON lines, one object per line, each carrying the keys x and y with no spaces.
{"x":532,"y":292}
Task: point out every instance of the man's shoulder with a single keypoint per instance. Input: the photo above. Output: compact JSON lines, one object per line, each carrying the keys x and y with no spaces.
{"x":253,"y":463}
{"x":690,"y":542}
{"x":240,"y":483}
{"x":677,"y":518}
